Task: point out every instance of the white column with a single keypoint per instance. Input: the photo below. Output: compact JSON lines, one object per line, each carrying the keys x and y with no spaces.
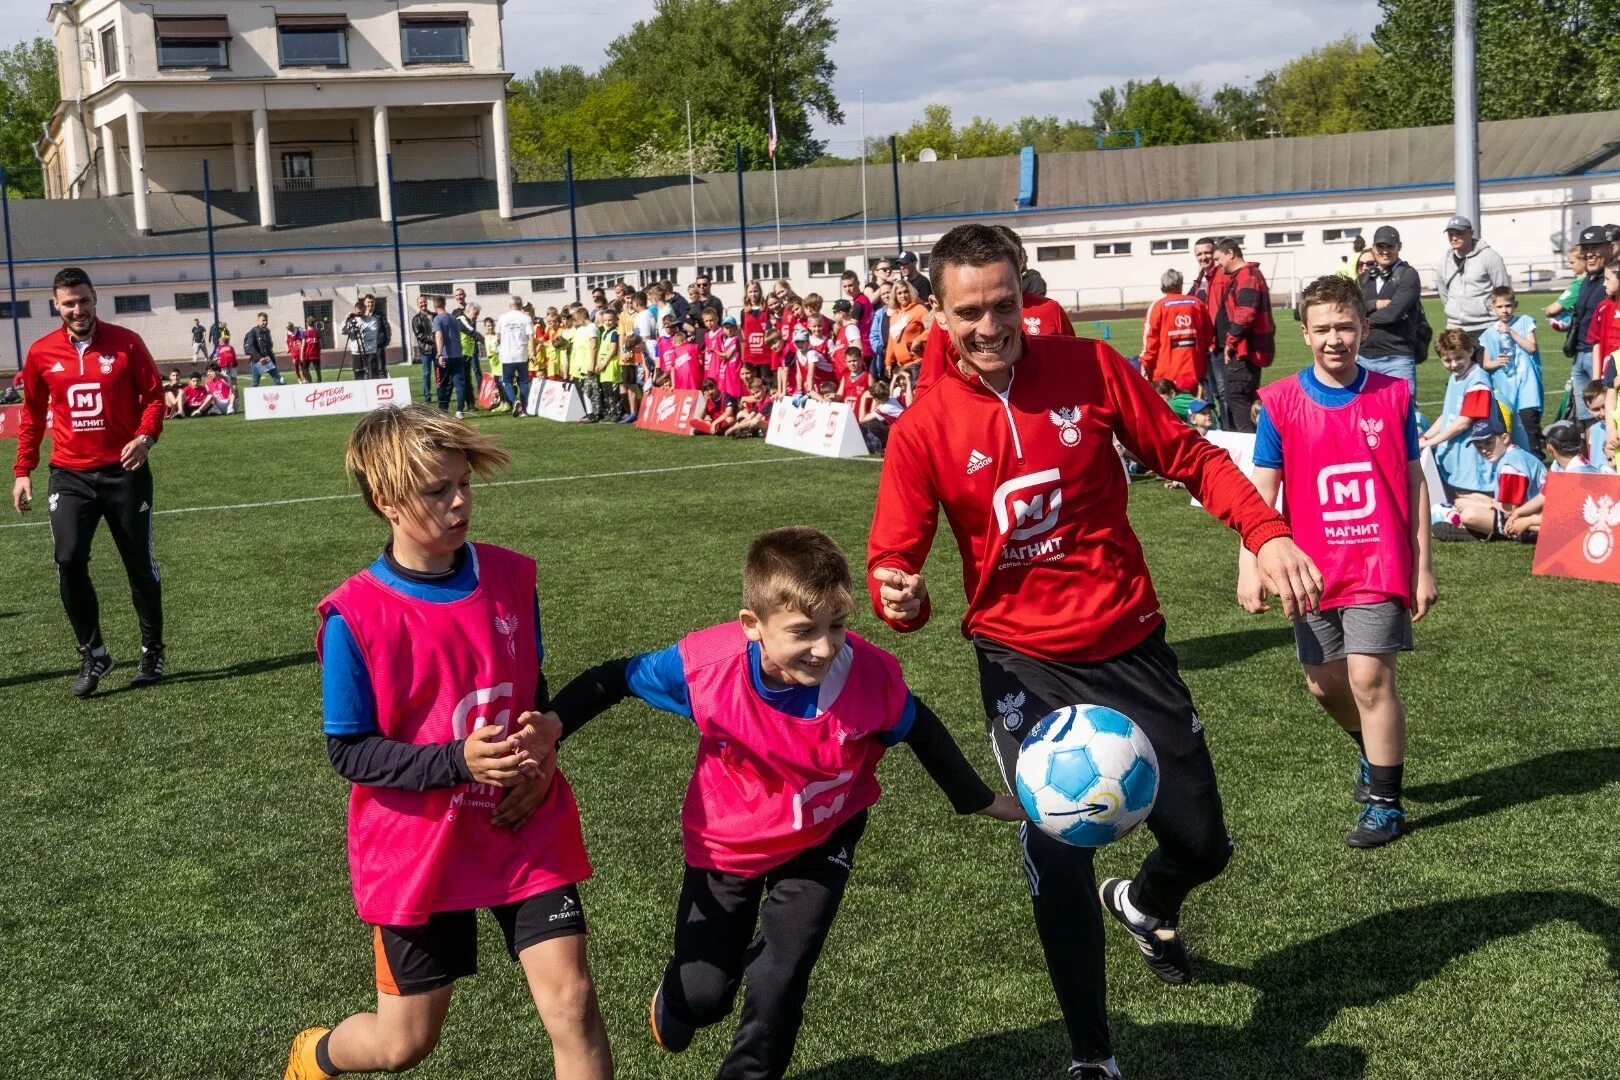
{"x":241,"y":142}
{"x":73,"y":149}
{"x":261,"y":169}
{"x":109,"y":159}
{"x":380,"y":141}
{"x":137,"y":171}
{"x":503,"y":167}
{"x":365,"y":153}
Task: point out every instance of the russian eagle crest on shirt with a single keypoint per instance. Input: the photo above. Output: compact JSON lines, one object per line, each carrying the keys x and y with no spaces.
{"x":507,"y":627}
{"x":1032,"y":325}
{"x":1067,"y":421}
{"x":1372,"y":429}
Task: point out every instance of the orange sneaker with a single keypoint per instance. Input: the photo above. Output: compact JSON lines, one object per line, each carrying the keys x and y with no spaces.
{"x":301,"y":1059}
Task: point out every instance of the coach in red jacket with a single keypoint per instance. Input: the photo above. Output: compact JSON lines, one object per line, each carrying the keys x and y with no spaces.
{"x":1016,"y":444}
{"x":106,"y":405}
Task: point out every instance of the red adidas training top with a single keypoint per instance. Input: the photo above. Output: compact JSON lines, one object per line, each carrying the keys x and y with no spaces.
{"x":99,"y":399}
{"x":1042,"y":318}
{"x":1036,"y":496}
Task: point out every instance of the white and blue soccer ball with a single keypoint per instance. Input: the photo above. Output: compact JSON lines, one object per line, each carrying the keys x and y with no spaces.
{"x":1087,"y":775}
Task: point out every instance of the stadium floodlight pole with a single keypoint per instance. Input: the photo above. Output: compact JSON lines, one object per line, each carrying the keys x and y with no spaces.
{"x":11,"y":264}
{"x":573,"y":226}
{"x":1465,"y":114}
{"x":399,"y":273}
{"x":894,"y":163}
{"x":866,"y":258}
{"x":691,"y":184}
{"x":742,"y":216}
{"x":208,"y":227}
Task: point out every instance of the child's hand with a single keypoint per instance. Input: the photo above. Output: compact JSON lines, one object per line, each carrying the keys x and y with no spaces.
{"x":536,"y":737}
{"x":1251,"y":591}
{"x":1424,"y":591}
{"x":1005,"y":808}
{"x":491,"y":758}
{"x":519,"y":803}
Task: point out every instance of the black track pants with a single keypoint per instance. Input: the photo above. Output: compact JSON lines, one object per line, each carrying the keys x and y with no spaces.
{"x":79,"y":501}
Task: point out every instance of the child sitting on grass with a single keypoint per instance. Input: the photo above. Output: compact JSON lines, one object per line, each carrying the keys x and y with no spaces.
{"x":1513,"y":473}
{"x":753,"y":412}
{"x":714,"y":415}
{"x":425,"y":657}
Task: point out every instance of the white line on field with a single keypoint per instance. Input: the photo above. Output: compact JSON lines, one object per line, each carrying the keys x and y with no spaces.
{"x":495,"y":483}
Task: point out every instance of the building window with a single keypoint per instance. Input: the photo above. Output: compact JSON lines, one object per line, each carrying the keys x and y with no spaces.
{"x":653,"y":274}
{"x":109,"y":52}
{"x":1104,"y":251}
{"x":1167,"y":247}
{"x":20,"y":311}
{"x":313,"y":40}
{"x":827,"y":267}
{"x":192,"y":301}
{"x":1284,"y":239}
{"x":131,"y":305}
{"x":193,"y":42}
{"x":298,"y":170}
{"x":436,"y":288}
{"x":546,"y":284}
{"x":250,"y":297}
{"x":1059,"y":253}
{"x":723,"y":274}
{"x":605,"y":282}
{"x":434,"y":39}
{"x":1330,"y":236}
{"x":492,"y":288}
{"x":764,"y":271}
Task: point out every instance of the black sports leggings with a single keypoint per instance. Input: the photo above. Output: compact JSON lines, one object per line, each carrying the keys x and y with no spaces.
{"x":79,"y":500}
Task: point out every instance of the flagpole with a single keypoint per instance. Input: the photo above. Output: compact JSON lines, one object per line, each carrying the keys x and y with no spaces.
{"x":866,"y":258}
{"x":691,"y":183}
{"x":776,"y":196}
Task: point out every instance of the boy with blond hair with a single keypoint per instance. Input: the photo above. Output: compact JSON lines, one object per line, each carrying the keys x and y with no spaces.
{"x":426,"y":655}
{"x":793,"y":713}
{"x":1344,"y":438}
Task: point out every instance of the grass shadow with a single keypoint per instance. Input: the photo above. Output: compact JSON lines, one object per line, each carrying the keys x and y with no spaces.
{"x":1564,"y":772}
{"x":233,"y":671}
{"x":1302,"y":989}
{"x":1214,"y":650}
{"x":36,"y":676}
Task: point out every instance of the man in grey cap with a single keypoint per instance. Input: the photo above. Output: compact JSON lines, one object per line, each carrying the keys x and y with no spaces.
{"x":1466,"y":275}
{"x":1398,"y":331}
{"x":906,"y":267}
{"x":1594,"y":252}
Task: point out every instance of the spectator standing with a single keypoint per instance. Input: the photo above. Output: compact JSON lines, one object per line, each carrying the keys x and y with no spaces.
{"x":216,"y":330}
{"x":312,"y":348}
{"x":1207,"y":287}
{"x":1397,"y":329}
{"x":1244,"y":333}
{"x":676,"y":302}
{"x":1466,"y":275}
{"x":452,"y":363}
{"x":199,"y":348}
{"x":515,"y":331}
{"x":1578,"y":341}
{"x":351,"y":339}
{"x":706,"y":300}
{"x":261,"y":352}
{"x":471,"y":341}
{"x":907,"y":329}
{"x":375,"y":336}
{"x":861,"y":305}
{"x":422,"y":331}
{"x":295,"y":352}
{"x":101,"y":389}
{"x":1177,"y":337}
{"x":877,"y":335}
{"x":906,"y":268}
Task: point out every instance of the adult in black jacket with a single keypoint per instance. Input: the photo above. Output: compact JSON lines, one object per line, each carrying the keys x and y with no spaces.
{"x":422,"y":331}
{"x":1595,"y":248}
{"x":1392,"y":289}
{"x":261,"y":351}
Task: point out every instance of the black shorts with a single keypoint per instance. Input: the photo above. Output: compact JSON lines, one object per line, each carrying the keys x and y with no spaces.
{"x":416,"y":959}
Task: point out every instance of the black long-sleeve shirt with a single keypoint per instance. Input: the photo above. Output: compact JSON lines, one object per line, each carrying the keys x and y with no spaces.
{"x":595,"y":691}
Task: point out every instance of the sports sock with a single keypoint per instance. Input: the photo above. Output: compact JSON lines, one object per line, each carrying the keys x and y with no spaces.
{"x":1384,"y":783}
{"x":322,"y":1061}
{"x":1139,"y":919}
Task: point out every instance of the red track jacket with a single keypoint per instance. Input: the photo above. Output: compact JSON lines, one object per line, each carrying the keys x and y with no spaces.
{"x":1042,"y":317}
{"x":99,"y":401}
{"x":1176,"y":340}
{"x":1036,"y":497}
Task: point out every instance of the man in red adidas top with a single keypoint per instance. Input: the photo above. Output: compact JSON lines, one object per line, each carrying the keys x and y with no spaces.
{"x":1177,"y":337}
{"x":1016,"y":443}
{"x":1042,"y":318}
{"x":106,"y":404}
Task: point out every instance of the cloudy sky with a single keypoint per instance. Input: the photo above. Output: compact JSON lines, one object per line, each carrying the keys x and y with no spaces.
{"x":1000,"y":60}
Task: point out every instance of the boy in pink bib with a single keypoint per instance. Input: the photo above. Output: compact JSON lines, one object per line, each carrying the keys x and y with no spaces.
{"x":1345,"y":441}
{"x":793,"y":713}
{"x":431,"y":678}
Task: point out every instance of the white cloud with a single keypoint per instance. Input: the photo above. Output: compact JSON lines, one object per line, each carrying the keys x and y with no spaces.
{"x":997,"y":60}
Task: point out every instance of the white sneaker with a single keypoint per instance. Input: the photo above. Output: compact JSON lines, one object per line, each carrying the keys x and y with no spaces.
{"x":458,"y":414}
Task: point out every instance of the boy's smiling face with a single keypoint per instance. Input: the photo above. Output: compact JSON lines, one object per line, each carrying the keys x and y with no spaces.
{"x":796,"y":649}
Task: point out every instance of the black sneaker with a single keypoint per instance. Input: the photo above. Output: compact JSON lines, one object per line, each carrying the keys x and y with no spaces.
{"x":668,"y":1032}
{"x":92,"y":666}
{"x":1094,"y":1070}
{"x":1161,"y":945}
{"x":150,"y":670}
{"x":1362,"y":789}
{"x":1378,"y":825}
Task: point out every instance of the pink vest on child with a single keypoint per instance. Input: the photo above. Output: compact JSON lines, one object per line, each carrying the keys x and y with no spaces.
{"x":1345,"y":473}
{"x":768,"y":785}
{"x":685,"y":368}
{"x":440,"y":671}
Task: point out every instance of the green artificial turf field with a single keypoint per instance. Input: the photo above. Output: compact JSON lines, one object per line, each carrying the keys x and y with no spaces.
{"x":176,"y":900}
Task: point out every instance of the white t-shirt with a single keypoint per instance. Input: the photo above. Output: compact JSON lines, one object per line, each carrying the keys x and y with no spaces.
{"x":514,"y":329}
{"x":647,"y":330}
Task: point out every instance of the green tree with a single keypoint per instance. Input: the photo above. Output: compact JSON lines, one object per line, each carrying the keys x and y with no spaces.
{"x":1327,"y":91}
{"x":1165,"y":114}
{"x":28,"y":93}
{"x":1533,"y":58}
{"x":610,"y":126}
{"x":752,"y":51}
{"x":1245,"y":112}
